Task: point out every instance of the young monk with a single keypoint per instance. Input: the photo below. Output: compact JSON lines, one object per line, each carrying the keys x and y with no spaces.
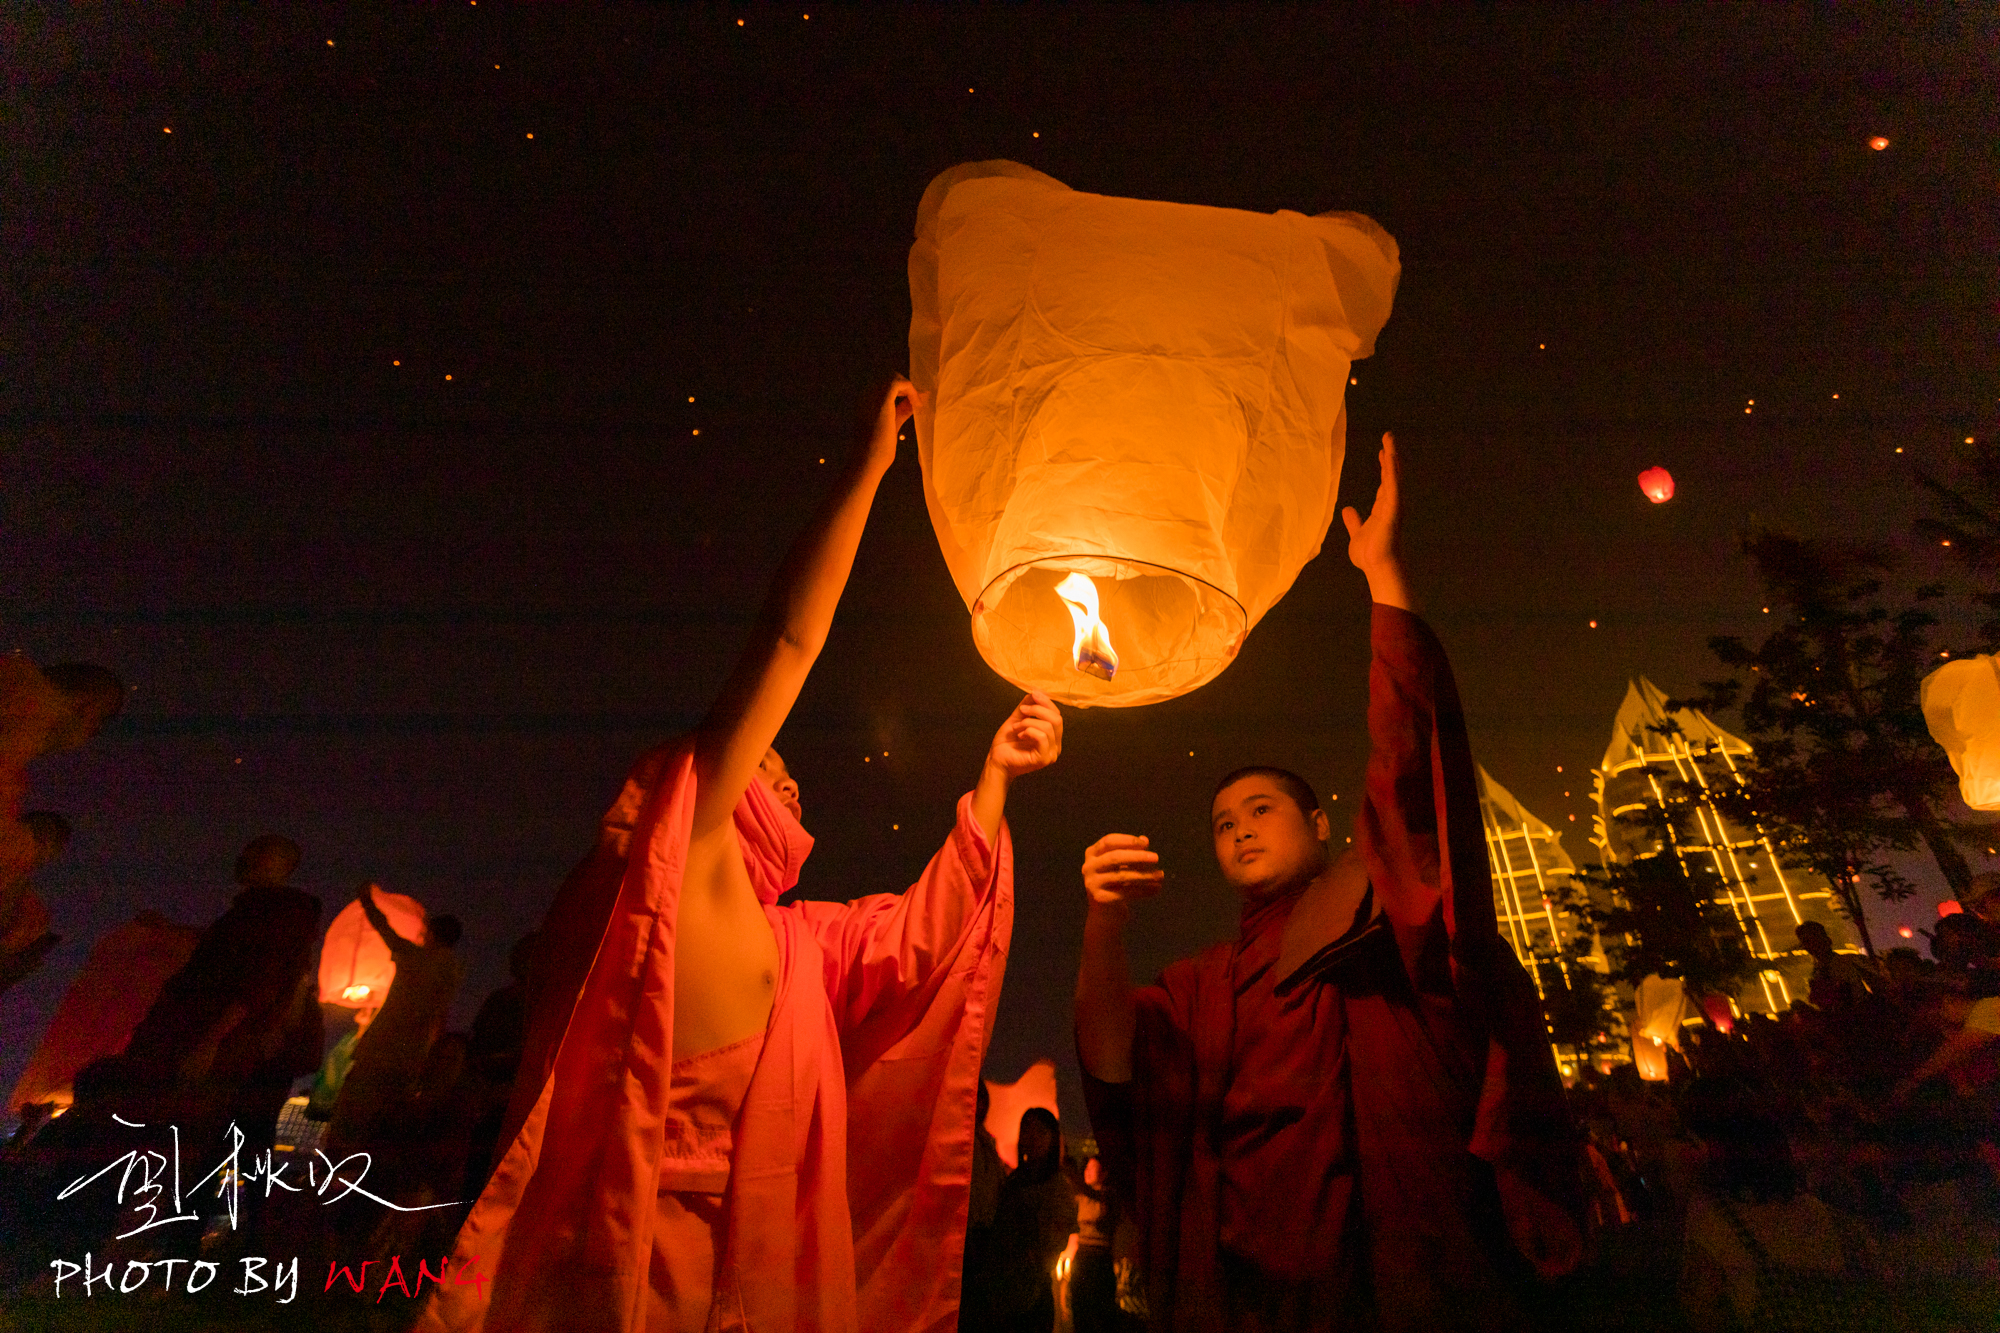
{"x":731,"y":1114}
{"x":1324,"y":1123}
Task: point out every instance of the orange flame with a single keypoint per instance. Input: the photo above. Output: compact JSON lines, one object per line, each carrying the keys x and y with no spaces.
{"x":355,"y":994}
{"x":1092,"y":651}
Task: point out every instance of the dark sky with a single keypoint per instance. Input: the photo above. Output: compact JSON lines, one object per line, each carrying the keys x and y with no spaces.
{"x":421,"y":616}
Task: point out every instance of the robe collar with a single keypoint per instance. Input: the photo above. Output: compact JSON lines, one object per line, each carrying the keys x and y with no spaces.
{"x":775,"y":845}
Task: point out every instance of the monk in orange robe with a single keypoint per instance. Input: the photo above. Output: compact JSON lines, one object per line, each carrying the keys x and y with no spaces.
{"x":736,"y":1115}
{"x":1340,"y":1119}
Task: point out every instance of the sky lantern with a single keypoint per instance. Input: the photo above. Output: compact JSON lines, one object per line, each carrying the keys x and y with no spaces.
{"x":1036,"y":1087}
{"x":1878,"y":143}
{"x":1144,"y":399}
{"x":1658,"y":484}
{"x":355,"y":968}
{"x":1961,"y":702}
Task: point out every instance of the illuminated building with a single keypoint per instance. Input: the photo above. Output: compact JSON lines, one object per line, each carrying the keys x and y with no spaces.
{"x":1668,"y":761}
{"x":1531,"y":885}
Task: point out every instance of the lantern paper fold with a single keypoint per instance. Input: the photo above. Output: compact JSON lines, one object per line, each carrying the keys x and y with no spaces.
{"x":1961,"y":702}
{"x":353,"y":953}
{"x":1151,"y":394}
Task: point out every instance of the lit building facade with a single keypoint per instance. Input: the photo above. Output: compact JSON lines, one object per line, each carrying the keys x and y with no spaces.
{"x":1667,"y":761}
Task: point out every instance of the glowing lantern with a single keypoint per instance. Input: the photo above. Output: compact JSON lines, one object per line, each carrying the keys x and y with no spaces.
{"x":1906,"y":932}
{"x":1658,"y":484}
{"x":1878,"y":143}
{"x":355,"y":968}
{"x":1961,"y":702}
{"x":1661,"y":1003}
{"x":1949,"y":907}
{"x":1037,"y":1087}
{"x":1150,"y":395}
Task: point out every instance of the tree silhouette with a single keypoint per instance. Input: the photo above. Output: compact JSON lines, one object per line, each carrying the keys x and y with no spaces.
{"x":1846,"y":770}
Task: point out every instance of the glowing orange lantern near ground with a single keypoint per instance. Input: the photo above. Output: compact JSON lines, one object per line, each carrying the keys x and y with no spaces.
{"x":355,"y":968}
{"x":1151,"y":396}
{"x":1961,"y":702}
{"x":1658,"y":484}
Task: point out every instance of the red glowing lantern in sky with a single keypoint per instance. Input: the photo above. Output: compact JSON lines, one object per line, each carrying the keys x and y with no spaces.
{"x":1658,"y":484}
{"x":1878,"y":143}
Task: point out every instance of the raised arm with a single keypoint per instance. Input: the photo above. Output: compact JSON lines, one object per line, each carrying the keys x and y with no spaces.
{"x":398,"y":946}
{"x":792,"y":629}
{"x":1371,"y":544}
{"x":1118,"y":870}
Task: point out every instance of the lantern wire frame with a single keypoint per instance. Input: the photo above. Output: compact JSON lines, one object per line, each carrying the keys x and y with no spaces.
{"x":1173,"y":630}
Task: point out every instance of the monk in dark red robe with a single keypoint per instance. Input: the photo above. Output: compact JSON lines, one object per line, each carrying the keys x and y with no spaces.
{"x":1348,"y":1117}
{"x":731,"y":1114}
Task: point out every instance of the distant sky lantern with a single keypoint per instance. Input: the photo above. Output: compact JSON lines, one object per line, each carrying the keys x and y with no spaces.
{"x":1878,"y":143}
{"x":1961,"y":702}
{"x":355,"y":968}
{"x":1906,"y":932}
{"x":1658,"y":484}
{"x":1149,"y":395}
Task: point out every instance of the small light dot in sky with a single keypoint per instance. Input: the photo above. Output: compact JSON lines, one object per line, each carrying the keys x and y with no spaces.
{"x":531,"y":136}
{"x":447,"y":377}
{"x":1836,"y":395}
{"x":329,"y":41}
{"x":1945,"y":654}
{"x":1038,"y":134}
{"x":690,"y":398}
{"x":1572,"y":819}
{"x":697,"y":432}
{"x":1353,"y":381}
{"x":395,"y":363}
{"x":885,"y":753}
{"x":1968,"y":439}
{"x":1899,"y":448}
{"x":1190,"y":754}
{"x":496,"y":67}
{"x":864,"y":758}
{"x":739,"y":23}
{"x":1542,"y":346}
{"x":166,"y":129}
{"x":969,"y":90}
{"x":1945,"y":542}
{"x":1878,"y":143}
{"x":822,"y":460}
{"x":239,"y":760}
{"x":1593,"y":624}
{"x":895,"y":826}
{"x":1767,"y":610}
{"x":1746,"y":411}
{"x":1559,"y":768}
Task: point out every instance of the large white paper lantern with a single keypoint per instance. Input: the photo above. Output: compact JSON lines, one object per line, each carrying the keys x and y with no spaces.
{"x":1961,"y":702}
{"x":1152,"y":395}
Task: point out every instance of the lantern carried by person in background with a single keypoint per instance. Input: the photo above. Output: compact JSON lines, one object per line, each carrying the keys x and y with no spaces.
{"x":1961,"y":702}
{"x":1149,"y":396}
{"x":1658,"y":484}
{"x":355,"y":968}
{"x":1036,"y":1087}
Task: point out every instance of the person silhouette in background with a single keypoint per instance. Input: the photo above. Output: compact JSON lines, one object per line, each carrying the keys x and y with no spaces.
{"x":1031,"y":1228}
{"x":371,"y":1112}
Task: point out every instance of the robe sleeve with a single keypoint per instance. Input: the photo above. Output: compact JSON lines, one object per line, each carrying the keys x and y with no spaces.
{"x":912,"y":981}
{"x":1424,"y":846}
{"x":884,"y":951}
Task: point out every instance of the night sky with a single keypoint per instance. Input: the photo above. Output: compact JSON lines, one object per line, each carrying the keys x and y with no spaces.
{"x":413,"y":404}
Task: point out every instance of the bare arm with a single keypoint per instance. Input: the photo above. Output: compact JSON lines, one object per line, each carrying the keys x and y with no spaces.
{"x":1117,"y":870}
{"x":793,"y":626}
{"x":1371,"y":545}
{"x":1030,"y":739}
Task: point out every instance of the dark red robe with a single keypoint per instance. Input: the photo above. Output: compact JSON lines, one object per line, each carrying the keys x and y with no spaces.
{"x":1315,"y":1151}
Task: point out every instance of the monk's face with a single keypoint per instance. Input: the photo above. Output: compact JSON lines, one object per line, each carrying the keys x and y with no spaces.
{"x":1264,"y":842}
{"x":771,"y":771}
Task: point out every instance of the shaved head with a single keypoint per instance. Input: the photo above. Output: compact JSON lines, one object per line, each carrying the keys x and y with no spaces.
{"x":1287,"y":781}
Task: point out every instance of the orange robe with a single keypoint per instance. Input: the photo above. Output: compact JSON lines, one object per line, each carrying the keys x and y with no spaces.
{"x":851,"y":1160}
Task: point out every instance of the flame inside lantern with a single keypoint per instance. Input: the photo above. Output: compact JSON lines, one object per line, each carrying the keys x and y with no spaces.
{"x":1658,"y":484}
{"x":354,"y":994}
{"x":1092,"y":651}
